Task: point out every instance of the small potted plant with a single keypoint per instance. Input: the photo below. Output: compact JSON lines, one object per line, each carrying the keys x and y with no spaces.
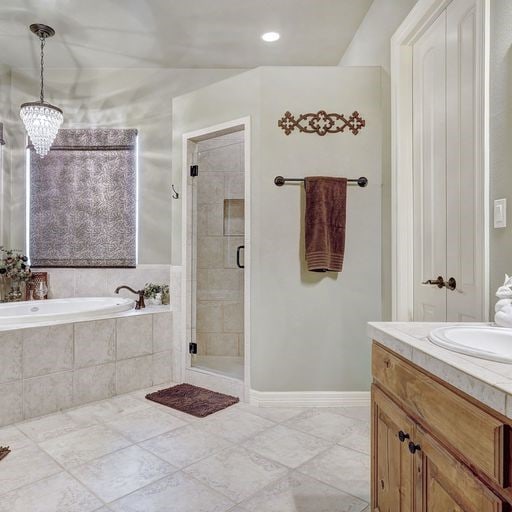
{"x":153,"y":294}
{"x":14,"y":266}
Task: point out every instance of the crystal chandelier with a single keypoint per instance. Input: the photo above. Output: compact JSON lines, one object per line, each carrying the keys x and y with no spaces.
{"x":42,"y":120}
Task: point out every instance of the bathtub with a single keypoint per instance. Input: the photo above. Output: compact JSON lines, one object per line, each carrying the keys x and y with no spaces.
{"x":55,"y":310}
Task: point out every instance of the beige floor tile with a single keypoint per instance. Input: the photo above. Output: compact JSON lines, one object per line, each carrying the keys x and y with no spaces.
{"x":183,"y":492}
{"x":323,"y":423}
{"x":287,"y":446}
{"x":298,"y":493}
{"x":144,"y":424}
{"x":84,"y":445}
{"x":276,"y":414}
{"x":24,"y":466}
{"x":122,"y":472}
{"x":141,"y":393}
{"x":345,"y":469}
{"x":356,"y":412}
{"x":235,"y":425}
{"x":51,"y":426}
{"x":237,"y":473}
{"x":216,"y":473}
{"x":108,"y":410}
{"x":186,"y":445}
{"x":58,"y":493}
{"x":11,"y":436}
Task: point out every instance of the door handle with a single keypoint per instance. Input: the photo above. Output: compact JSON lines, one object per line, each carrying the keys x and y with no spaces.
{"x":239,"y":248}
{"x":452,"y":284}
{"x":441,"y":283}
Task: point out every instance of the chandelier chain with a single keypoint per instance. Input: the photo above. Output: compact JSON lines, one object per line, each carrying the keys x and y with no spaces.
{"x":42,"y":39}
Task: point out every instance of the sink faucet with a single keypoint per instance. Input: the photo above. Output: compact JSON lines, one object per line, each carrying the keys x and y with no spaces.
{"x":139,"y":304}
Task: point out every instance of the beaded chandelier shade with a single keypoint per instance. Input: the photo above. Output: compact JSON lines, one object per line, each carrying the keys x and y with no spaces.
{"x":42,"y":120}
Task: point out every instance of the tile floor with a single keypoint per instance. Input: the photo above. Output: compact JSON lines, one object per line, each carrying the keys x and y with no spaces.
{"x":128,"y":454}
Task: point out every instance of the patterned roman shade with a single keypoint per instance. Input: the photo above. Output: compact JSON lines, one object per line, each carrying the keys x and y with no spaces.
{"x":83,"y":200}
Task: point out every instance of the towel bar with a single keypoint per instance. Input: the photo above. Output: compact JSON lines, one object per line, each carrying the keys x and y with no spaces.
{"x":280,"y":181}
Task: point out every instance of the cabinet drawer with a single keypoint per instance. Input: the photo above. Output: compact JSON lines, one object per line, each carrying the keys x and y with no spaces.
{"x":477,"y":436}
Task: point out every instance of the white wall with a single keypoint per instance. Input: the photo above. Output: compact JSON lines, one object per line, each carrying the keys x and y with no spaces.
{"x":120,"y":98}
{"x":500,"y":138}
{"x":5,"y":152}
{"x":371,"y":43}
{"x":371,"y":47}
{"x":308,"y":330}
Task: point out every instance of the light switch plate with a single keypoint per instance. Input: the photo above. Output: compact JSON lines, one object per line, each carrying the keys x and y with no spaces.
{"x":500,"y":213}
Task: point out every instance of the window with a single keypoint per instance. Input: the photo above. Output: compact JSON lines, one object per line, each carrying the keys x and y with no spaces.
{"x":83,"y":200}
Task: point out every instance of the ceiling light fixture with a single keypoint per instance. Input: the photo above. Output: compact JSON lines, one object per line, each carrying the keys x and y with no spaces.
{"x":42,"y":120}
{"x":270,"y":37}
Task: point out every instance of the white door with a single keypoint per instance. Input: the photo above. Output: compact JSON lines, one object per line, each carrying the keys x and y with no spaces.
{"x":464,"y":157}
{"x":448,"y":169}
{"x":429,"y":97}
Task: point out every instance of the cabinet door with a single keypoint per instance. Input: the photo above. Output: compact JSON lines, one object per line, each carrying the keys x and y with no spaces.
{"x":392,"y":463}
{"x":444,"y":484}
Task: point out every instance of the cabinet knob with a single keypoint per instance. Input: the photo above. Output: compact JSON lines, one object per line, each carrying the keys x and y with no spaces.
{"x":413,"y":448}
{"x":402,"y":436}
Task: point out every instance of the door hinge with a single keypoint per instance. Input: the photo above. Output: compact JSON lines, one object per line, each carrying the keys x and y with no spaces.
{"x":192,"y":348}
{"x":194,"y":170}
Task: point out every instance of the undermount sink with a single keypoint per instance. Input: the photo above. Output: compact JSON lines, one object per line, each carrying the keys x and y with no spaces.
{"x":491,"y":343}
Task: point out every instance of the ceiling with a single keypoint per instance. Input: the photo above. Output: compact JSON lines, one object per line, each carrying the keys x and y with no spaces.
{"x":179,"y":33}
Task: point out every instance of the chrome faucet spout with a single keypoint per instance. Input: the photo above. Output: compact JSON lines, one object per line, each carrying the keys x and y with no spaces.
{"x":139,"y":304}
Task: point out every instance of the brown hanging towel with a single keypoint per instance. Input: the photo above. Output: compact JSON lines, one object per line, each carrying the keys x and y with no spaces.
{"x":326,"y":201}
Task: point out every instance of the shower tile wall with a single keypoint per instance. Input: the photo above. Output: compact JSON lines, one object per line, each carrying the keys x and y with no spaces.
{"x":220,"y":284}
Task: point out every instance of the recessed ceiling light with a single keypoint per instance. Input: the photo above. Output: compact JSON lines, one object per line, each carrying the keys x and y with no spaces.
{"x":270,"y":37}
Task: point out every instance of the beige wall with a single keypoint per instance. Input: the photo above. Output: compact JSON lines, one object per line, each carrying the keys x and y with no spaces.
{"x":372,"y":41}
{"x":308,"y":331}
{"x":121,"y":98}
{"x":371,"y":47}
{"x":6,"y":118}
{"x":500,"y":139}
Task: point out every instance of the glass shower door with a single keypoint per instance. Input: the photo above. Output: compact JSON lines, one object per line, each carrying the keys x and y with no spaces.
{"x":219,"y":255}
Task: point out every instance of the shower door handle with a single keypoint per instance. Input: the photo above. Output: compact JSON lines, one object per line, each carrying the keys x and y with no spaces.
{"x":239,"y":248}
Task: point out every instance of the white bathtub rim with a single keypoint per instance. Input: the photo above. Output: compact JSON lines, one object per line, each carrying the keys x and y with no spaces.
{"x":55,"y":309}
{"x":91,"y":316}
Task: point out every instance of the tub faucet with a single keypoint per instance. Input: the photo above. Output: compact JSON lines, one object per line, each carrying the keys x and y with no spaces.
{"x":139,"y":304}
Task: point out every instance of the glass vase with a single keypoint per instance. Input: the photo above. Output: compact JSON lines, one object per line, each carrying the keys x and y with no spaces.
{"x":15,"y":294}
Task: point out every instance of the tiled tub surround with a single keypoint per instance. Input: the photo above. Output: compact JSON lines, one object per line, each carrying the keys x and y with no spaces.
{"x":101,"y":282}
{"x":487,"y":381}
{"x":47,"y":368}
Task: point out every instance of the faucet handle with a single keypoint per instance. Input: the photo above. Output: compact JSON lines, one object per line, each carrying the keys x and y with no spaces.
{"x":140,"y":302}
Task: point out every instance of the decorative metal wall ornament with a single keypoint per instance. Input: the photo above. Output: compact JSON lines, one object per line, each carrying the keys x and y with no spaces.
{"x":321,"y":123}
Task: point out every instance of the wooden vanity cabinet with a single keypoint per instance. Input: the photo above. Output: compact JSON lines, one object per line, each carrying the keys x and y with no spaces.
{"x":417,"y":466}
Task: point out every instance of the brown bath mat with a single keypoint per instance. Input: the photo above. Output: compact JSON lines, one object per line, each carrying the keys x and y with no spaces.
{"x":4,"y":451}
{"x":193,"y":400}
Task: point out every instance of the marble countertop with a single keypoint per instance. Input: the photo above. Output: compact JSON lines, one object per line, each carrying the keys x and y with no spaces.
{"x":487,"y":381}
